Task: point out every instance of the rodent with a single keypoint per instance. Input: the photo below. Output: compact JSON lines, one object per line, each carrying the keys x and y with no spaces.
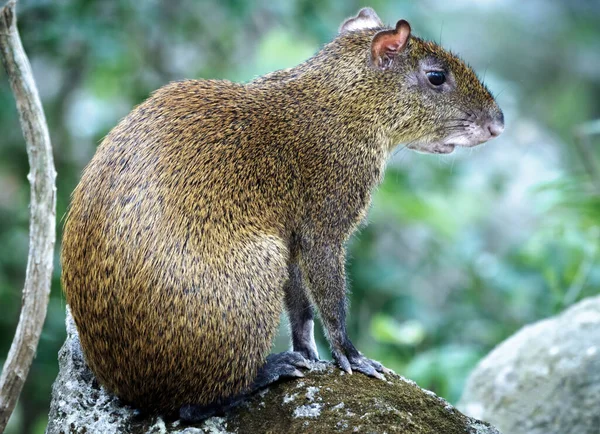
{"x":213,"y":205}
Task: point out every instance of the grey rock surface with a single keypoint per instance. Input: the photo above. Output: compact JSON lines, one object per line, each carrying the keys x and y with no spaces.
{"x":545,"y":379}
{"x":324,"y":401}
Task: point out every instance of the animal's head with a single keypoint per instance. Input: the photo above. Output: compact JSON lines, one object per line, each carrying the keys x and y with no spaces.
{"x":434,"y":100}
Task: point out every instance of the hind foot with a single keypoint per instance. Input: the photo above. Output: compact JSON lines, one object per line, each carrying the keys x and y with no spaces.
{"x":279,"y":366}
{"x":276,"y":367}
{"x":192,"y":413}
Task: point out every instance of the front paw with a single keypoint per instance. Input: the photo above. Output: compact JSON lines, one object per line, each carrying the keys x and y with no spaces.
{"x":355,"y":361}
{"x":308,"y":352}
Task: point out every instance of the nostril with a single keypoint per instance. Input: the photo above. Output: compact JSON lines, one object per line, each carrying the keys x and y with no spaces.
{"x":495,"y":128}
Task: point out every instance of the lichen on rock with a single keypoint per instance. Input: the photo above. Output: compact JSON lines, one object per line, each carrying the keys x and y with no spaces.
{"x":324,"y":401}
{"x":545,"y":379}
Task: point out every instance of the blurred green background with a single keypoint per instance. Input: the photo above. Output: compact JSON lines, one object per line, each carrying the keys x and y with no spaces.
{"x":461,"y":251}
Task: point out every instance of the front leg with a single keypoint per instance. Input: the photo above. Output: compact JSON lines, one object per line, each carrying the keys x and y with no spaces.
{"x":323,"y":265}
{"x":300,"y":313}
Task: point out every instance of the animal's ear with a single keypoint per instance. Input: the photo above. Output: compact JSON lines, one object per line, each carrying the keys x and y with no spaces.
{"x":366,"y":19}
{"x":388,"y":43}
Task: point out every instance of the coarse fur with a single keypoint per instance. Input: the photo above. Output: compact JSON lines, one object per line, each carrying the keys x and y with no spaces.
{"x":213,"y":205}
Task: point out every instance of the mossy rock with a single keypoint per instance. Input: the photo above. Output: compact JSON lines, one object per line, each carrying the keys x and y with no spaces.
{"x":326,"y":400}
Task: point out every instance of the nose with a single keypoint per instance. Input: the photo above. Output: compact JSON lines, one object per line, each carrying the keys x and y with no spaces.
{"x":496,"y":126}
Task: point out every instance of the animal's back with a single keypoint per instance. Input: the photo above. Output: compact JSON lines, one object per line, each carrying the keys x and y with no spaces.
{"x":173,"y":250}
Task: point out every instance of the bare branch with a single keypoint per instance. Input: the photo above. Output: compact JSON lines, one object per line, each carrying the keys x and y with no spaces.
{"x":42,"y":234}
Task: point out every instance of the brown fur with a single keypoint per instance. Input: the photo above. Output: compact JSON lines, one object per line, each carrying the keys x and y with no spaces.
{"x":207,"y":197}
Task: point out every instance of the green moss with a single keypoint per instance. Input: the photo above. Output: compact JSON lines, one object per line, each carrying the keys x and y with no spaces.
{"x":347,"y":403}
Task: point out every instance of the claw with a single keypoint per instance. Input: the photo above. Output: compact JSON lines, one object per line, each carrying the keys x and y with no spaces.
{"x":375,"y":364}
{"x":378,"y":366}
{"x":361,"y":364}
{"x":293,"y":358}
{"x":343,"y":362}
{"x":310,"y":355}
{"x":377,"y":375}
{"x":387,"y":371}
{"x":367,"y":367}
{"x":308,"y":352}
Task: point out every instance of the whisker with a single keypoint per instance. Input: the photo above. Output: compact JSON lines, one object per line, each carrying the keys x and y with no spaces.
{"x":457,"y":121}
{"x":400,"y":149}
{"x":451,"y":129}
{"x":406,"y":146}
{"x":465,"y":111}
{"x":403,"y":154}
{"x":456,"y":126}
{"x":498,"y":94}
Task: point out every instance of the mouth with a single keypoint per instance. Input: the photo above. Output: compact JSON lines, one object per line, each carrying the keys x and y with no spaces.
{"x":468,"y":137}
{"x":442,"y":148}
{"x":447,"y":145}
{"x":434,"y":148}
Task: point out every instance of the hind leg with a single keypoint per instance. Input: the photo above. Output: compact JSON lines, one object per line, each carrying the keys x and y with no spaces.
{"x":255,"y":318}
{"x":192,"y":413}
{"x":277,"y":367}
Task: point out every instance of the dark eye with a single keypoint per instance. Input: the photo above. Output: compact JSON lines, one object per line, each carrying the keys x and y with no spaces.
{"x":437,"y":78}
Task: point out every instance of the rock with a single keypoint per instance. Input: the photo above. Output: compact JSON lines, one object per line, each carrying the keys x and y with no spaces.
{"x":545,"y":379}
{"x":325,"y":401}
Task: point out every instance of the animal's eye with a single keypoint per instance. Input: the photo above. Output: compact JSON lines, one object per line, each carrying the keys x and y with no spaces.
{"x":437,"y":78}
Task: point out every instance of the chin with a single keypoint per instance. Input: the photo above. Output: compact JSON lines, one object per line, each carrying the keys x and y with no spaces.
{"x":441,"y":148}
{"x":434,"y":148}
{"x":447,"y":146}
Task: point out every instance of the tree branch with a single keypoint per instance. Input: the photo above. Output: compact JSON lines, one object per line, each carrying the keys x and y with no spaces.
{"x":36,"y":290}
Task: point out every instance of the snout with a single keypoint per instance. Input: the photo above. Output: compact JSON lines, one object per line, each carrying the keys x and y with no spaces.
{"x":493,"y":127}
{"x":474,"y":131}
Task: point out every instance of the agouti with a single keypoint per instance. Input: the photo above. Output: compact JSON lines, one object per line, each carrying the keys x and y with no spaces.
{"x":213,"y":205}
